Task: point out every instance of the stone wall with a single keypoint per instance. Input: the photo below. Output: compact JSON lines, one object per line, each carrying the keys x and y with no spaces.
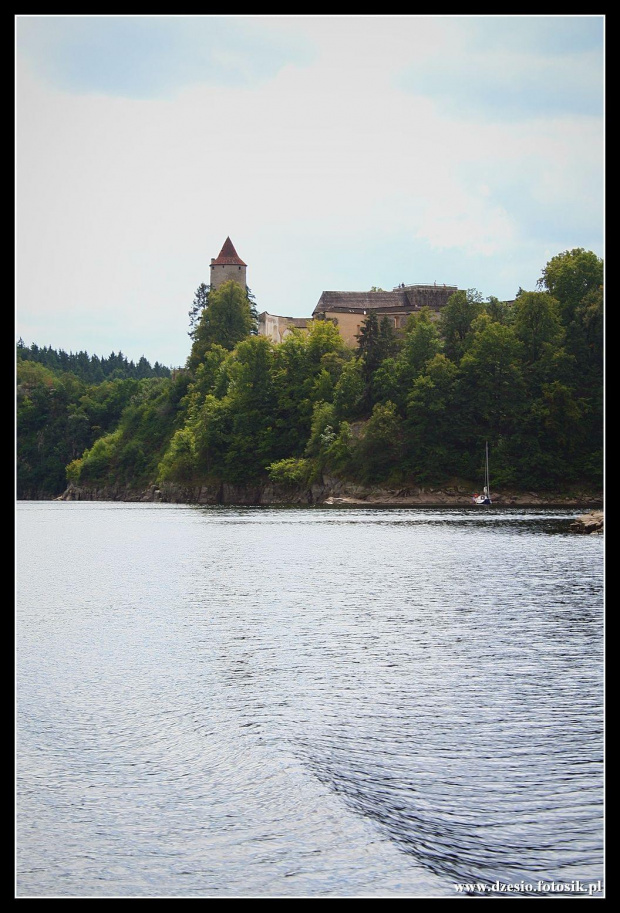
{"x":431,"y":296}
{"x":223,"y":272}
{"x":277,"y":328}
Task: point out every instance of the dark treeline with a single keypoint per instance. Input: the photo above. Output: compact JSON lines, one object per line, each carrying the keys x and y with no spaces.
{"x":406,"y":408}
{"x":90,"y":368}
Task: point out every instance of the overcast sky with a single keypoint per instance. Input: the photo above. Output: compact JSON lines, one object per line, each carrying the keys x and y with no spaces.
{"x":337,"y":152}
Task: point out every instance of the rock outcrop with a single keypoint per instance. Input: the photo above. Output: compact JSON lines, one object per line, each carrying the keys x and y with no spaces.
{"x":592,"y":522}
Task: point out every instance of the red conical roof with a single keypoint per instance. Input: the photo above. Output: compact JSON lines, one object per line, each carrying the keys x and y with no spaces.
{"x":228,"y":255}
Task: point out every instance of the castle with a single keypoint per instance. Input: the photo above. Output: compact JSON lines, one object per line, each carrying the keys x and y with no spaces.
{"x":347,"y":310}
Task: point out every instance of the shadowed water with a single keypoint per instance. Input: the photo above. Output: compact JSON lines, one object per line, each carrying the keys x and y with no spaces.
{"x":305,"y":702}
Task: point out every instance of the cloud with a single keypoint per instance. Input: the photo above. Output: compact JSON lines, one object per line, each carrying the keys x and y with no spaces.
{"x":154,"y":56}
{"x":509,"y":68}
{"x":325,"y":175}
{"x":549,"y":35}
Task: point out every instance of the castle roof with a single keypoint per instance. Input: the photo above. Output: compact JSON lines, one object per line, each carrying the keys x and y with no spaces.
{"x":404,"y":298}
{"x":228,"y":255}
{"x":358,"y":301}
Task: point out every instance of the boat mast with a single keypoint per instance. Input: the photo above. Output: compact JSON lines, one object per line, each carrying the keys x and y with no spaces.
{"x":487,"y":489}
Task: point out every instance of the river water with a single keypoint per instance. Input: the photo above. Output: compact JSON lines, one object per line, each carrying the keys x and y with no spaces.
{"x":310,"y":702}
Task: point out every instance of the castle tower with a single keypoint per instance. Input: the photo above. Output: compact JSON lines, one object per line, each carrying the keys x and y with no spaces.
{"x":227,"y":265}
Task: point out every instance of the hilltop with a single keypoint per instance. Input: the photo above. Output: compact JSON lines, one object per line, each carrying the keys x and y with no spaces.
{"x":407,"y":410}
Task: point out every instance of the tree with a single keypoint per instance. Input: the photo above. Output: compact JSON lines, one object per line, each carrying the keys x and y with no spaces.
{"x":368,"y":346}
{"x":421,"y":344}
{"x":537,"y":323}
{"x":322,"y":339}
{"x":560,"y":414}
{"x":131,"y":452}
{"x":371,"y":352}
{"x":456,"y":321}
{"x":388,"y":343}
{"x":307,"y":365}
{"x":432,"y":420}
{"x":591,"y":316}
{"x":393,"y":378}
{"x":253,"y":312}
{"x":498,"y":310}
{"x":570,"y":276}
{"x":492,"y":378}
{"x":226,"y":320}
{"x":378,"y":452}
{"x":575,"y":279}
{"x":322,"y":432}
{"x":251,"y":405}
{"x":199,"y":305}
{"x":349,"y":391}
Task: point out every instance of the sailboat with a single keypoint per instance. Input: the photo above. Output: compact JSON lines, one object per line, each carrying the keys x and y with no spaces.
{"x":485,"y":497}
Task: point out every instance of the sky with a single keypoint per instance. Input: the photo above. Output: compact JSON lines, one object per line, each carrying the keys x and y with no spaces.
{"x":337,"y":153}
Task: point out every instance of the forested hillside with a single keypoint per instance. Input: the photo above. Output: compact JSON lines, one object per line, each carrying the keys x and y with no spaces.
{"x":413,"y":408}
{"x":65,"y":402}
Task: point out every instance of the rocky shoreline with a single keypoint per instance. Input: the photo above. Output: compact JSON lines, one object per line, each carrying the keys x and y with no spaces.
{"x":592,"y":523}
{"x":332,"y":492}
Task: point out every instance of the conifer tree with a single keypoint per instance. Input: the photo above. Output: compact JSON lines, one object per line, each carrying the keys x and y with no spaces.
{"x":201,"y":300}
{"x":368,"y":345}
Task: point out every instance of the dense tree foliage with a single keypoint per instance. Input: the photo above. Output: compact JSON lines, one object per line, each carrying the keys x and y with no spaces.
{"x":58,"y":417}
{"x":129,"y":454}
{"x":222,"y":317}
{"x":409,"y":407}
{"x":65,"y":402}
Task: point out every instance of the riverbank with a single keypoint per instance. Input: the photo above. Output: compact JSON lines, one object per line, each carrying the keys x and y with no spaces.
{"x":331,"y":492}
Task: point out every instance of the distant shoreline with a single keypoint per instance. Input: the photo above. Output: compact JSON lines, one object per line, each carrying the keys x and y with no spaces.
{"x":329,"y":494}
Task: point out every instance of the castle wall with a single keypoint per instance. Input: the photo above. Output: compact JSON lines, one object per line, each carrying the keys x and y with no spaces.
{"x":348,"y":325}
{"x":430,"y":296}
{"x":277,"y":328}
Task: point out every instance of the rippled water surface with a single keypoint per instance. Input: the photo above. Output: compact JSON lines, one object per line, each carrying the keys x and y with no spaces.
{"x":305,"y":702}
